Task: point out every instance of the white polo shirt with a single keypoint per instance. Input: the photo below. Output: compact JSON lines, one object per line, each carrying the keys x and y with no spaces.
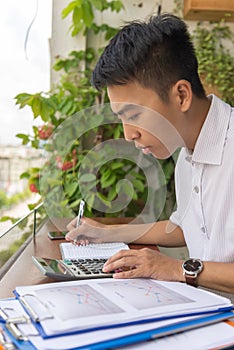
{"x":204,"y":182}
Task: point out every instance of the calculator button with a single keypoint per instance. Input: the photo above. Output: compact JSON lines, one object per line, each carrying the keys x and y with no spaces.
{"x":87,"y":267}
{"x":68,"y":262}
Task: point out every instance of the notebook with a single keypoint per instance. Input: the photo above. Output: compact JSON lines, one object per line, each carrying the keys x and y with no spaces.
{"x":91,"y":251}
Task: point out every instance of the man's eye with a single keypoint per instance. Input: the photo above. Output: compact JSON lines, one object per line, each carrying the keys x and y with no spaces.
{"x":133,"y":117}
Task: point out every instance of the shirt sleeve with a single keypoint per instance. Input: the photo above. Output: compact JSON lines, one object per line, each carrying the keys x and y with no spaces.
{"x":180,"y":179}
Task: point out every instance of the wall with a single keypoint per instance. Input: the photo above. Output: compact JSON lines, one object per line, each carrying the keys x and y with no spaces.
{"x":62,"y":43}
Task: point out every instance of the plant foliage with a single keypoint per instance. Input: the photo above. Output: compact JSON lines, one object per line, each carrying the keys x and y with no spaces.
{"x":63,"y":158}
{"x":216,"y":61}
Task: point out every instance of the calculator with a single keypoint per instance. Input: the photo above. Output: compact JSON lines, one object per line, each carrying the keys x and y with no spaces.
{"x":71,"y":269}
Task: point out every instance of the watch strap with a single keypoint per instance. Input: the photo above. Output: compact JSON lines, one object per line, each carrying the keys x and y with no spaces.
{"x":191,"y":280}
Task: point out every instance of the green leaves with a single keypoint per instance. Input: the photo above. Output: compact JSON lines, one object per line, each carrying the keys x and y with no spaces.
{"x":100,"y":5}
{"x":87,"y":178}
{"x":71,"y":188}
{"x":216,"y":62}
{"x":23,"y":99}
{"x":25,"y":138}
{"x":108,"y":180}
{"x":116,"y":5}
{"x":39,"y":104}
{"x":61,"y":181}
{"x":87,"y":11}
{"x":83,"y":15}
{"x":70,"y":8}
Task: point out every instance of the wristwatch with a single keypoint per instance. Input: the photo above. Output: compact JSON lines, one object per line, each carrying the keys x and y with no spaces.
{"x":191,"y":269}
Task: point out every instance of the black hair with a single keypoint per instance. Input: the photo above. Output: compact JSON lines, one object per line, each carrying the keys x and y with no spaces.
{"x":156,"y":54}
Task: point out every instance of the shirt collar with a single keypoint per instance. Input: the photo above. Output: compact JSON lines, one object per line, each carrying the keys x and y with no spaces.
{"x":211,"y":140}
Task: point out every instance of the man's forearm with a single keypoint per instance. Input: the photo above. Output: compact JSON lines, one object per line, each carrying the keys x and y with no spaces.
{"x":218,"y":276}
{"x":162,"y":233}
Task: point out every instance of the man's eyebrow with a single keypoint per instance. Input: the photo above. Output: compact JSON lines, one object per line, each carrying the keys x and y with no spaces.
{"x":125,"y":109}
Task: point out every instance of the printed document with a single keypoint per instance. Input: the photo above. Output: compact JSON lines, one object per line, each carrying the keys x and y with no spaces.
{"x":79,"y":305}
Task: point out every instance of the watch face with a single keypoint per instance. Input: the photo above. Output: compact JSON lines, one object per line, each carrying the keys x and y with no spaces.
{"x":192,"y":265}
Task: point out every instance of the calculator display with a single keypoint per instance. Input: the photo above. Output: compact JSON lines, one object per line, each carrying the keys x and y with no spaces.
{"x":56,"y":265}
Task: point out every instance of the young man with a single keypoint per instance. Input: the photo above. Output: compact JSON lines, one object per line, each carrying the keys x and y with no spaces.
{"x":153,"y":65}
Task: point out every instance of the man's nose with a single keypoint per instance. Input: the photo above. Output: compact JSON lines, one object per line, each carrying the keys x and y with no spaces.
{"x":130,"y":132}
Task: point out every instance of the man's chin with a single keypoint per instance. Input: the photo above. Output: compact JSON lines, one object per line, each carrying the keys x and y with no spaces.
{"x":162,"y":155}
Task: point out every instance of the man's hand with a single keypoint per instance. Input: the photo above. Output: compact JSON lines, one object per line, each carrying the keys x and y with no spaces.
{"x":144,"y":263}
{"x":89,"y":231}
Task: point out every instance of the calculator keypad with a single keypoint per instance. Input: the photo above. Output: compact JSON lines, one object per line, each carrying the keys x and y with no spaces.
{"x":87,"y":268}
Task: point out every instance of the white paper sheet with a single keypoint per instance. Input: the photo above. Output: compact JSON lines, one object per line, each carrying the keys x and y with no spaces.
{"x":78,"y":305}
{"x":207,"y":337}
{"x":102,"y":250}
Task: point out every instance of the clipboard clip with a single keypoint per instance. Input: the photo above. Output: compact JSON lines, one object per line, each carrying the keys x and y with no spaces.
{"x":14,"y":323}
{"x":42,"y":313}
{"x":11,"y":323}
{"x":13,"y":319}
{"x":14,"y":330}
{"x":4,"y":342}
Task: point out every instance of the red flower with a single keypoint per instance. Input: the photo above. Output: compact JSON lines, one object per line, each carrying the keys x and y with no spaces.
{"x":33,"y":188}
{"x":67,"y":164}
{"x":45,"y":131}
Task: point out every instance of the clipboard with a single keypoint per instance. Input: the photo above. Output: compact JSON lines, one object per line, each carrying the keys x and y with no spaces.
{"x":36,"y":320}
{"x":128,"y":339}
{"x":11,"y":337}
{"x":39,"y":313}
{"x":156,"y":333}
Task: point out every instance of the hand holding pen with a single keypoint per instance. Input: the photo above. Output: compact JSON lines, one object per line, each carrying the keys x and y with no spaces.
{"x":91,"y":231}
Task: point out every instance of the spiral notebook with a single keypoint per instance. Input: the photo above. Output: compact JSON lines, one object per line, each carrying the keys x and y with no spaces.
{"x":91,"y":251}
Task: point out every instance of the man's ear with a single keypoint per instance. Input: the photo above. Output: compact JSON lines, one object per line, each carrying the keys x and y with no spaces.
{"x":183,"y":92}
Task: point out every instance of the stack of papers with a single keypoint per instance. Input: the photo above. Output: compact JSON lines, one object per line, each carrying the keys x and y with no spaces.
{"x":96,"y":304}
{"x":108,"y":313}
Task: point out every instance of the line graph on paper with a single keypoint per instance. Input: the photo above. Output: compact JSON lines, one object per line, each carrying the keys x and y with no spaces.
{"x":72,"y":302}
{"x":144,"y":294}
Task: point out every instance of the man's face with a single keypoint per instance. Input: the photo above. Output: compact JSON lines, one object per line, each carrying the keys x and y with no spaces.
{"x":147,"y":120}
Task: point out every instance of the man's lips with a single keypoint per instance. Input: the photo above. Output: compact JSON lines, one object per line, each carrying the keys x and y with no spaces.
{"x":144,"y":149}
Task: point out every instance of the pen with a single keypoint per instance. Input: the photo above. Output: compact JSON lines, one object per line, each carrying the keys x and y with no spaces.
{"x":80,"y":213}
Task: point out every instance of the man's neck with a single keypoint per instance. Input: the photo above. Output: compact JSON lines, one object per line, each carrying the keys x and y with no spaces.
{"x":195,"y":120}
